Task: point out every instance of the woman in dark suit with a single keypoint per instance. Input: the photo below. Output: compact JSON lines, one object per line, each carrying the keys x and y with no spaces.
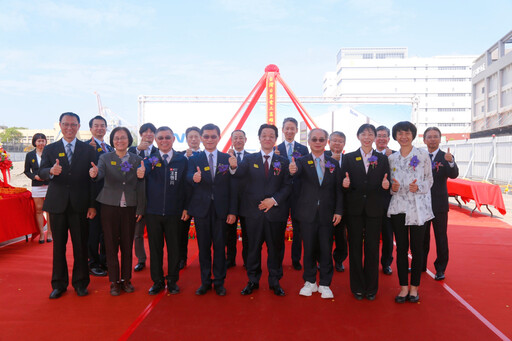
{"x":123,"y":201}
{"x":39,"y":187}
{"x":365,"y":182}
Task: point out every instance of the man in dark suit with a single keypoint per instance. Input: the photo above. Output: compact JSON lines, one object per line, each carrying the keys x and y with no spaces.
{"x":213,"y":205}
{"x":144,"y":149}
{"x":193,"y":136}
{"x":265,"y":207}
{"x":70,"y":202}
{"x":96,"y":245}
{"x":238,"y":140}
{"x":443,"y":167}
{"x":319,"y":209}
{"x":381,"y":146}
{"x":289,"y":148}
{"x":337,"y":144}
{"x":167,"y":202}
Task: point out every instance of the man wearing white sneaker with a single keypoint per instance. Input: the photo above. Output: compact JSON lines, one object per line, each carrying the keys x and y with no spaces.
{"x":319,"y":209}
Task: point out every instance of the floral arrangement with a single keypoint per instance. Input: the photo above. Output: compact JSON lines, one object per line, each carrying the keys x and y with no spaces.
{"x":414,"y":162}
{"x":436,"y":165}
{"x":222,"y":169}
{"x":277,"y":168}
{"x":373,"y":161}
{"x":5,"y":167}
{"x":330,"y":166}
{"x":154,"y":161}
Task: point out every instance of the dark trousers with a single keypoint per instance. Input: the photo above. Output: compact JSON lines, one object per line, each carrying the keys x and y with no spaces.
{"x":340,"y":253}
{"x":405,"y":236}
{"x":363,"y":239}
{"x":232,"y":238}
{"x":76,"y":223}
{"x":118,"y":229}
{"x":138,"y":241}
{"x":166,"y":227}
{"x":96,"y":243}
{"x":317,"y":239}
{"x":261,"y":230}
{"x":296,"y":241}
{"x":211,"y":230}
{"x":183,"y":241}
{"x":440,"y":224}
{"x":386,"y":257}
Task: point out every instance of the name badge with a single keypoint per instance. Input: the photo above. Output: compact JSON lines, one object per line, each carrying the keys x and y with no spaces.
{"x":256,"y":166}
{"x":206,"y":168}
{"x":173,"y":176}
{"x":158,"y":165}
{"x":358,"y":158}
{"x":99,"y":150}
{"x":113,"y":163}
{"x":310,"y":162}
{"x":33,"y":160}
{"x":62,"y":154}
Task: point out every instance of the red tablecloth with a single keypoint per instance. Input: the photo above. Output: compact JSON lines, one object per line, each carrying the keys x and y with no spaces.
{"x":17,"y":216}
{"x":482,"y":193}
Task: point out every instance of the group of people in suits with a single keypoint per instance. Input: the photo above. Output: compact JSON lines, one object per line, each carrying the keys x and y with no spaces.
{"x":357,"y":198}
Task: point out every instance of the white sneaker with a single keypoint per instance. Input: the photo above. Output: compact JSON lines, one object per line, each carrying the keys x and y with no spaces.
{"x":308,"y":289}
{"x":325,"y":291}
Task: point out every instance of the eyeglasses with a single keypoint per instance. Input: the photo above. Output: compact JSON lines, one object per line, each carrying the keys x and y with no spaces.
{"x":67,"y":125}
{"x":207,"y":137}
{"x":120,"y":138}
{"x":315,"y":140}
{"x":167,"y":137}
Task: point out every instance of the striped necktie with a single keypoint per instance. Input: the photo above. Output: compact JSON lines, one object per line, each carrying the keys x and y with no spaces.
{"x":69,"y":152}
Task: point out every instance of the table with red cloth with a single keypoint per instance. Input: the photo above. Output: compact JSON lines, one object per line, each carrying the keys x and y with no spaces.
{"x":480,"y":192}
{"x":17,"y":215}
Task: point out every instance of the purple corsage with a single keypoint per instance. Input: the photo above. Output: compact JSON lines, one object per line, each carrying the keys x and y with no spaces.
{"x":330,"y":166}
{"x":126,"y":167}
{"x":414,"y":162}
{"x":436,"y":165}
{"x":154,"y":160}
{"x":296,"y":154}
{"x":277,"y":168}
{"x":373,"y":161}
{"x":222,"y":169}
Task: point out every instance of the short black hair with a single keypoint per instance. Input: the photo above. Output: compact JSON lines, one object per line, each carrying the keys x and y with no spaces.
{"x":339,"y":133}
{"x":193,"y":128}
{"x":386,"y":129}
{"x":291,"y":119}
{"x":147,"y":126}
{"x":72,"y":114}
{"x":164,"y":128}
{"x":238,"y":130}
{"x":210,"y":126}
{"x":97,"y":117}
{"x":115,"y":130}
{"x":38,"y":136}
{"x":430,"y":129}
{"x":404,"y":126}
{"x":366,"y":126}
{"x":264,"y":126}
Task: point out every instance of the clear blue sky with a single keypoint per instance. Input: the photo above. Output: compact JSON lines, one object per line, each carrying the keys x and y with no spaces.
{"x":55,"y":54}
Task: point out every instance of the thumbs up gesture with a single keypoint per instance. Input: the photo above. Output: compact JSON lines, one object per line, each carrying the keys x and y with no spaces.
{"x":395,"y":186}
{"x":336,"y":156}
{"x":197,"y":175}
{"x":56,"y":169}
{"x":413,"y":187}
{"x":276,"y":151}
{"x":385,"y":182}
{"x":388,"y":152}
{"x":141,"y":171}
{"x":189,"y":153}
{"x":293,"y":166}
{"x":233,"y":163}
{"x":346,"y":181}
{"x":448,"y":156}
{"x":93,"y":171}
{"x":92,"y":143}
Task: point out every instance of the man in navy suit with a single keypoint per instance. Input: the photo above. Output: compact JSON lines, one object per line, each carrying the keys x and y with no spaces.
{"x":213,"y":205}
{"x":265,"y":207}
{"x":289,"y":148}
{"x":443,"y":167}
{"x":167,"y":202}
{"x":70,"y":202}
{"x":319,"y":209}
{"x":144,"y":149}
{"x":193,"y":137}
{"x":96,"y":244}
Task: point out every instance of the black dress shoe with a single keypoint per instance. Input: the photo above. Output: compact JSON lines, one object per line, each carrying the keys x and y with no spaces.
{"x":81,"y":291}
{"x":203,"y":289}
{"x":439,"y":276}
{"x":249,"y":288}
{"x":139,"y":267}
{"x":401,"y":299}
{"x":115,"y":289}
{"x":156,"y":288}
{"x":339,"y":267}
{"x":220,"y":290}
{"x":56,"y":293}
{"x":182,"y":264}
{"x":370,"y":297}
{"x":358,"y":296}
{"x":414,"y":299}
{"x":98,"y":272}
{"x":173,"y":288}
{"x":278,"y":291}
{"x":297,"y":266}
{"x":387,"y":270}
{"x":127,"y":286}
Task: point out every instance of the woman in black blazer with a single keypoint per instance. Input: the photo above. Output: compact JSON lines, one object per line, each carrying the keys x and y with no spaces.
{"x":39,"y":187}
{"x":365,"y":182}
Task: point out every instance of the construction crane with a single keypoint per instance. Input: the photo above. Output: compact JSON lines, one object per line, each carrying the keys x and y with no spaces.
{"x":113,"y":120}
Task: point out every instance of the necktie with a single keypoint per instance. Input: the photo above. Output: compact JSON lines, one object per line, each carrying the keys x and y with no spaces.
{"x":165,"y":156}
{"x":142,"y":154}
{"x":210,"y":163}
{"x":69,"y":152}
{"x":319,"y":170}
{"x":265,"y":165}
{"x":104,"y":147}
{"x":238,"y":158}
{"x":290,"y":152}
{"x":431,"y":156}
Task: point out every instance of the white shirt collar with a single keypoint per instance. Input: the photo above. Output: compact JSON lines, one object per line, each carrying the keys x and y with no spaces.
{"x":73,"y":143}
{"x":170,"y":153}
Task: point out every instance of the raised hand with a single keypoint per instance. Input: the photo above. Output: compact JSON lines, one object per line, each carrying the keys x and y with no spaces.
{"x":448,"y":156}
{"x":276,"y":151}
{"x":141,"y":171}
{"x":385,"y":182}
{"x":93,"y":171}
{"x":189,"y":153}
{"x":92,"y":143}
{"x":143,"y":145}
{"x":346,"y":181}
{"x":293,"y":166}
{"x":56,"y":169}
{"x":413,"y":187}
{"x":197,"y":176}
{"x":336,"y":156}
{"x":388,"y":152}
{"x":233,"y":163}
{"x":395,"y":186}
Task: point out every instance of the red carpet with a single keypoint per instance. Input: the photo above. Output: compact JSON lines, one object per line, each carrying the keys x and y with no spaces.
{"x":480,"y":271}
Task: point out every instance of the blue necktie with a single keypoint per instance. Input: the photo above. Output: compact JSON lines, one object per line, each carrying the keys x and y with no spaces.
{"x":319,"y":170}
{"x":290,"y":152}
{"x":69,"y":152}
{"x":165,"y":156}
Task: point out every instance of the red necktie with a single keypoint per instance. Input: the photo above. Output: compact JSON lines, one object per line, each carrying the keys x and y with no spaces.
{"x":265,"y":165}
